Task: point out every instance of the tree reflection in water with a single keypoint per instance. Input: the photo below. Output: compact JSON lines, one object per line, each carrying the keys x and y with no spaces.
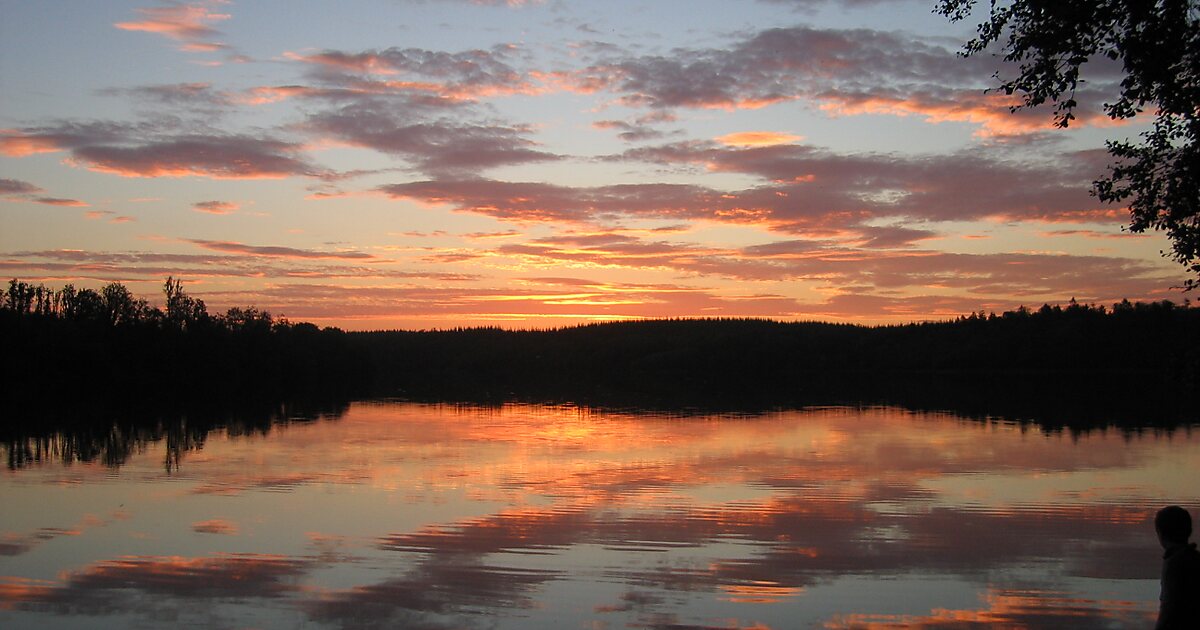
{"x":113,"y":440}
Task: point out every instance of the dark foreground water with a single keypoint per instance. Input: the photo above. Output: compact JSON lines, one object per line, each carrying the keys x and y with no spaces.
{"x":419,"y":516}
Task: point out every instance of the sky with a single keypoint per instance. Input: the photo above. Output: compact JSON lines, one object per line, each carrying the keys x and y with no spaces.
{"x":426,"y":164}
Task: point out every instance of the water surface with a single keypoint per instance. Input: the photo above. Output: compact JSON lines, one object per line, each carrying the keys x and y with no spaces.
{"x":523,"y":516}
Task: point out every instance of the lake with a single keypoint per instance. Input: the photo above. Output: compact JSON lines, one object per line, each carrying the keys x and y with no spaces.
{"x":395,"y":514}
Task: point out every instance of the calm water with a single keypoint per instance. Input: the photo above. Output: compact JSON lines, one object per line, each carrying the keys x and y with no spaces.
{"x":418,"y":516}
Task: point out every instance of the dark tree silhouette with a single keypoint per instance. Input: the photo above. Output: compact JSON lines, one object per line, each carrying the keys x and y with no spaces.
{"x":1158,"y":43}
{"x":86,"y":351}
{"x":183,"y":311}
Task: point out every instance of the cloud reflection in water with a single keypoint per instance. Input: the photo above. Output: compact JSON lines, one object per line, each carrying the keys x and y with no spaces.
{"x":441,"y":517}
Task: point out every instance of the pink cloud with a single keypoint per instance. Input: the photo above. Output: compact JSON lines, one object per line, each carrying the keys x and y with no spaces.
{"x":186,"y":22}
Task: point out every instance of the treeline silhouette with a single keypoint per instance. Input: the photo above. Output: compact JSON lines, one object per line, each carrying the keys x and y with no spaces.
{"x":70,"y":355}
{"x":1079,"y":364}
{"x":75,"y":353}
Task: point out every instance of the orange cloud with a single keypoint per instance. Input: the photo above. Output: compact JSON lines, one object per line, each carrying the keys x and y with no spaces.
{"x":757,"y":139}
{"x":993,"y":112}
{"x":14,"y":143}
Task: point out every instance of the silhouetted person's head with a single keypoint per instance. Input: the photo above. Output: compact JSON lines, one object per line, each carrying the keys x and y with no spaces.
{"x":1173,"y":524}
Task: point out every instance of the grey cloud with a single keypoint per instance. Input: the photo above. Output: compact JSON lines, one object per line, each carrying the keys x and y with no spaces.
{"x":434,"y":145}
{"x":150,"y":149}
{"x":476,"y":68}
{"x":841,"y":71}
{"x":17,"y":187}
{"x":216,"y":156}
{"x":630,"y":132}
{"x":189,"y":96}
{"x":776,"y":65}
{"x":809,"y":182}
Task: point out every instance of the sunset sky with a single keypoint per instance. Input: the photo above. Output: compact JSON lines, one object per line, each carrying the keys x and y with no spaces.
{"x":441,"y":163}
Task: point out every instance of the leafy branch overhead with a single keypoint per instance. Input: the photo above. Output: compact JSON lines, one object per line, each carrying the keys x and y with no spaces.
{"x":1158,"y":44}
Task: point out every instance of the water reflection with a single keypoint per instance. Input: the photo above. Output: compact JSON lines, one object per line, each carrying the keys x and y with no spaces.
{"x":113,"y":441}
{"x":522,"y":516}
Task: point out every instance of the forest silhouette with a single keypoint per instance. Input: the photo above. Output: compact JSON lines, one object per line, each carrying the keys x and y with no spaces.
{"x":84,"y":347}
{"x":103,"y":361}
{"x":1071,"y":363}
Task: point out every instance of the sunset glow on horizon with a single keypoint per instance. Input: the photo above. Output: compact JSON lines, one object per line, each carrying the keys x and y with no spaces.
{"x":429,"y":164}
